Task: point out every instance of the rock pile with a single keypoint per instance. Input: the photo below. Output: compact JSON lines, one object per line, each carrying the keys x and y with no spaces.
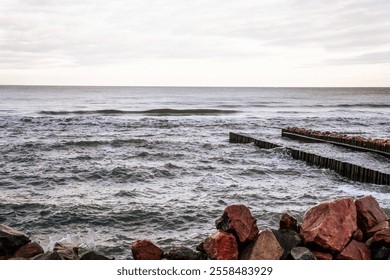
{"x":376,"y":144}
{"x":342,"y":229}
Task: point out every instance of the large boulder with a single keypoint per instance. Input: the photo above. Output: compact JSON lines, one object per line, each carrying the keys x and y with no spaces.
{"x":369,"y":213}
{"x":381,"y":226}
{"x":28,"y":251}
{"x":146,"y":250}
{"x":237,"y":219}
{"x":221,"y":246}
{"x":264,"y":247}
{"x":330,"y":225}
{"x":355,"y":251}
{"x":10,"y":240}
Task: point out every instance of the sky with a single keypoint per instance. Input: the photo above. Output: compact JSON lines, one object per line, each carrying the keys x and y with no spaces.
{"x":275,"y":43}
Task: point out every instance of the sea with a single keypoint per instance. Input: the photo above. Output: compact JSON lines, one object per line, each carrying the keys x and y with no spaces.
{"x":106,"y":166}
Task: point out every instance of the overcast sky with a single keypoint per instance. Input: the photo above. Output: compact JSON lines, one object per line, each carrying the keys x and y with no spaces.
{"x":195,"y":43}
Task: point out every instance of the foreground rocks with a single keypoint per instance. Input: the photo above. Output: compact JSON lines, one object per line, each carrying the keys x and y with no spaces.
{"x":341,"y":229}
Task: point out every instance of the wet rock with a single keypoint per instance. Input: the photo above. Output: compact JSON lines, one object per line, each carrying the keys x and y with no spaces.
{"x":381,"y":238}
{"x":330,"y":225}
{"x":237,"y":219}
{"x":184,"y":253}
{"x":288,"y":239}
{"x":381,"y":253}
{"x":67,"y":251}
{"x":358,"y":235}
{"x":146,"y":250}
{"x":10,"y":240}
{"x":221,"y":246}
{"x":28,"y":251}
{"x":369,"y":213}
{"x":264,"y":247}
{"x":381,"y":226}
{"x":91,"y":255}
{"x":48,"y":256}
{"x":302,"y":253}
{"x":355,"y":251}
{"x":288,"y":222}
{"x":322,"y":255}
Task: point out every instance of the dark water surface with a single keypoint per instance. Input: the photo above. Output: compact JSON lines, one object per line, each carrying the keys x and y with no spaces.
{"x":105,"y":166}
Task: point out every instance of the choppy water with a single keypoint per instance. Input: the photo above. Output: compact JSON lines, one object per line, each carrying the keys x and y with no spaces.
{"x":105,"y":166}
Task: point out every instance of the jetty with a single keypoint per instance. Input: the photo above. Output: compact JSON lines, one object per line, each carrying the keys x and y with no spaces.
{"x":346,"y":169}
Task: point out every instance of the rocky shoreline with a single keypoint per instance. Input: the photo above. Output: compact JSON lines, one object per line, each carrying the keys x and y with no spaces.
{"x":341,"y":229}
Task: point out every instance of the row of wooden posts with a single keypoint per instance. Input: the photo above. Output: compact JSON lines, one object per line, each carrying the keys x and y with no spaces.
{"x":346,"y":169}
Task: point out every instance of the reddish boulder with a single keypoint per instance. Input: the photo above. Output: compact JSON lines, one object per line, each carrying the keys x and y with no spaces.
{"x":288,"y":222}
{"x":67,"y":251}
{"x":322,"y":255}
{"x":381,"y":226}
{"x":221,"y":246}
{"x":369,"y":213}
{"x":358,"y":235}
{"x":330,"y":225}
{"x":146,"y":250}
{"x":355,"y":251}
{"x":29,"y":250}
{"x":381,"y":238}
{"x":264,"y":247}
{"x":237,"y":219}
{"x":10,"y":240}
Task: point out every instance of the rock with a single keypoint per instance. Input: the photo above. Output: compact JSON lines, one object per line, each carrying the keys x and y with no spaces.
{"x":91,"y":255}
{"x":288,"y":222}
{"x":302,"y":253}
{"x":10,"y":240}
{"x":355,"y":251}
{"x":381,"y":238}
{"x":330,"y":225}
{"x":67,"y":251}
{"x":322,"y":255}
{"x":28,"y":251}
{"x":369,"y":213}
{"x":381,"y":226}
{"x":358,"y":235}
{"x":48,"y":256}
{"x":264,"y":247}
{"x":381,"y":253}
{"x":146,"y":250}
{"x":184,"y":253}
{"x":237,"y":219}
{"x":288,"y":239}
{"x":221,"y":246}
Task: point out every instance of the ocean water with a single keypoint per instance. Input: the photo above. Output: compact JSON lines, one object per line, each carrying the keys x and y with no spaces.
{"x":105,"y":166}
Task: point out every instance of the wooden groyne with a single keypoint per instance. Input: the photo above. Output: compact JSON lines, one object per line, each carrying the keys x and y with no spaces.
{"x":358,"y":143}
{"x":346,"y":169}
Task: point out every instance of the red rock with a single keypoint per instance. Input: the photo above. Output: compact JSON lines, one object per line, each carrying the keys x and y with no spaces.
{"x":29,"y":250}
{"x":358,"y":235}
{"x":237,"y":219}
{"x":369,"y":213}
{"x":322,"y":255}
{"x":288,"y":222}
{"x":330,"y":225}
{"x":381,"y":238}
{"x":355,"y":251}
{"x":381,"y":226}
{"x":67,"y":251}
{"x":221,"y":246}
{"x":10,"y":240}
{"x":264,"y":247}
{"x":146,"y":250}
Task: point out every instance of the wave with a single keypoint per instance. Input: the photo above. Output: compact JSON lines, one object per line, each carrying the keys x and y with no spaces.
{"x":157,"y":112}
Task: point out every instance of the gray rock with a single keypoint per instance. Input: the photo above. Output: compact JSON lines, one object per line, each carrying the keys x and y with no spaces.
{"x":302,"y":253}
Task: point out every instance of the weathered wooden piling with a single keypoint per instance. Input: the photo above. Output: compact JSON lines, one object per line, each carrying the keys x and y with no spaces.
{"x":346,"y":169}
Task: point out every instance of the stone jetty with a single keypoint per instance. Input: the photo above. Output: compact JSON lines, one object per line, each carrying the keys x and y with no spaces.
{"x":340,"y":229}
